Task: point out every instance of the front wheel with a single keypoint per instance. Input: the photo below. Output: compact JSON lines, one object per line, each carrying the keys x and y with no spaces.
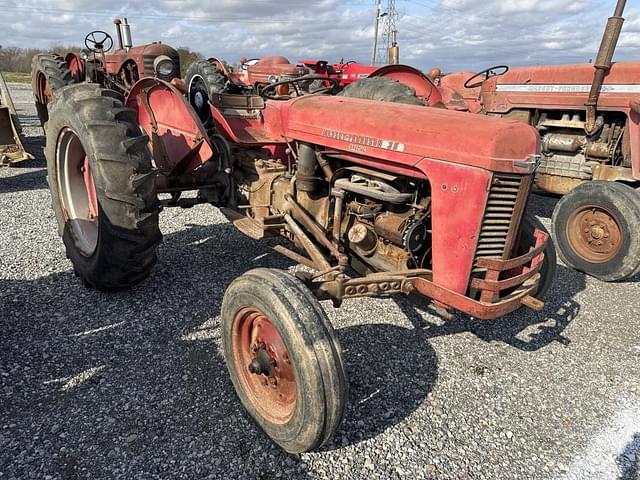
{"x":284,"y":359}
{"x":596,"y":229}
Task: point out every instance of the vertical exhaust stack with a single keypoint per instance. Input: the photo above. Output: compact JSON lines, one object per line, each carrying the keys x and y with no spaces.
{"x":394,"y":50}
{"x":603,"y":64}
{"x":126,"y":34}
{"x":118,"y":23}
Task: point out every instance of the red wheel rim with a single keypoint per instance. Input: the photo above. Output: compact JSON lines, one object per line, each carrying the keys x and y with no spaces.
{"x":264,"y":366}
{"x":594,"y":234}
{"x":77,"y":191}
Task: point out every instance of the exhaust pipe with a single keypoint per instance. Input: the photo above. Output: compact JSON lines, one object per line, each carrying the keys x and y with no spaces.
{"x":117,"y":22}
{"x":603,"y":64}
{"x":126,"y":34}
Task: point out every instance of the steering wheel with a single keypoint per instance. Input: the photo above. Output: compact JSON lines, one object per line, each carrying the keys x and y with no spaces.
{"x":98,"y":41}
{"x":245,"y":65}
{"x":487,"y":74}
{"x":269,"y":92}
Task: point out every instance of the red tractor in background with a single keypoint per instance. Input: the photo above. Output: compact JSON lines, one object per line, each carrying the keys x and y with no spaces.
{"x":431,"y":203}
{"x":589,"y":127}
{"x":345,"y":72}
{"x":118,"y":70}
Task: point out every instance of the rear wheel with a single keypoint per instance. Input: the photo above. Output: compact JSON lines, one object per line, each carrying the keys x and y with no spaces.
{"x":102,"y":187}
{"x":382,"y":89}
{"x":203,"y":81}
{"x":596,"y":228}
{"x":284,"y":359}
{"x":49,"y":72}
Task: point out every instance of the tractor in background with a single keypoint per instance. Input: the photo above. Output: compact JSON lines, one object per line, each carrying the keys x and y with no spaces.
{"x":588,"y":119}
{"x":431,"y":203}
{"x":207,"y":79}
{"x":118,"y":70}
{"x":11,"y":149}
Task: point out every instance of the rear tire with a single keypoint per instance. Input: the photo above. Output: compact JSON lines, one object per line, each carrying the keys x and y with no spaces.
{"x":596,"y":229}
{"x":102,"y":187}
{"x":277,"y":312}
{"x":49,"y":73}
{"x":382,"y":89}
{"x":203,"y":81}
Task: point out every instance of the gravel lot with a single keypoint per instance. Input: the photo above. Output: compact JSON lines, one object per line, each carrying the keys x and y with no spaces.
{"x":133,"y":385}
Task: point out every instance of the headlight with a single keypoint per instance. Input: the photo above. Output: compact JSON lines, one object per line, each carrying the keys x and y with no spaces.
{"x":163,"y":66}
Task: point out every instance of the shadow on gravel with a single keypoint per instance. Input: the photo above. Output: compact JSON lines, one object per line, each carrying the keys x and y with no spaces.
{"x":524,"y":329}
{"x":35,"y":180}
{"x":629,"y":460}
{"x":386,"y":386}
{"x":133,"y":384}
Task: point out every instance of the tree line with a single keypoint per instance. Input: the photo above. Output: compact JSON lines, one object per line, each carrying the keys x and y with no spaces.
{"x":18,"y":59}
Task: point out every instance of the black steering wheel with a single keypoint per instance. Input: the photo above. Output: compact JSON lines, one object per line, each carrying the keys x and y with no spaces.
{"x":98,"y":41}
{"x":269,"y":92}
{"x":245,"y":65}
{"x":487,"y":74}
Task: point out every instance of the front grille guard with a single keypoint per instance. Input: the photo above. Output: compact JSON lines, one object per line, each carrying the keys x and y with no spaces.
{"x":521,"y":286}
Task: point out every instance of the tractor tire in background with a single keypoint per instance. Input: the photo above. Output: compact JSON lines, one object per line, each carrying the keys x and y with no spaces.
{"x":382,"y":89}
{"x":203,"y":81}
{"x":49,"y":72}
{"x":596,"y":227}
{"x":284,"y":359}
{"x":102,"y":187}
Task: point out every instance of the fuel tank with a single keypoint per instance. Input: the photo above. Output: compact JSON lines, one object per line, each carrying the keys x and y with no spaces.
{"x":407,"y":134}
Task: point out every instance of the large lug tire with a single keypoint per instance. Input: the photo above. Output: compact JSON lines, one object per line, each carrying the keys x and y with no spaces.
{"x":550,"y":262}
{"x":49,"y":73}
{"x":596,"y":227}
{"x":382,"y":89}
{"x":203,"y":81}
{"x":274,"y":327}
{"x":102,"y":187}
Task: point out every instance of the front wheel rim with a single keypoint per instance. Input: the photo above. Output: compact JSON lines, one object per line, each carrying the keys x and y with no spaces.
{"x":77,"y":192}
{"x":594,"y":234}
{"x":265,"y":368}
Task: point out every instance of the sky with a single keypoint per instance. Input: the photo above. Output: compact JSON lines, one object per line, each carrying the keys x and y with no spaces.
{"x":450,"y":34}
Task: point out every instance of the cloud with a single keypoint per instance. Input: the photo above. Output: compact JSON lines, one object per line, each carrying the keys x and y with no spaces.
{"x":454,"y":34}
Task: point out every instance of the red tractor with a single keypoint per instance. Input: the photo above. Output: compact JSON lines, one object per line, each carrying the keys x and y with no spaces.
{"x":589,"y":126}
{"x":117,"y":70}
{"x":375,"y":199}
{"x":345,"y":72}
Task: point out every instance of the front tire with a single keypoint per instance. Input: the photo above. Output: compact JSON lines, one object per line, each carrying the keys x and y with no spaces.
{"x":102,"y":187}
{"x":550,"y":262}
{"x":284,"y":359}
{"x":596,"y":229}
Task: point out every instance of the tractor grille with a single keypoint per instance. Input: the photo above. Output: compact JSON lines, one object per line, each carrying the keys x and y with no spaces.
{"x":507,"y":198}
{"x":148,"y":67}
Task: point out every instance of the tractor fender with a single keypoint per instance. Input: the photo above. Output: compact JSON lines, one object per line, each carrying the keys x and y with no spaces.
{"x":76,"y":67}
{"x":425,"y":88}
{"x":177,"y":138}
{"x":219,"y":64}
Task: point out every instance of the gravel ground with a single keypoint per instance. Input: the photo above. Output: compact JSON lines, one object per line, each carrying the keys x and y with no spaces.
{"x":133,"y":385}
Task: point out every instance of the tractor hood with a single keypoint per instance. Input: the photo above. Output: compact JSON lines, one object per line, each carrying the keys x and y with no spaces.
{"x":406,"y":134}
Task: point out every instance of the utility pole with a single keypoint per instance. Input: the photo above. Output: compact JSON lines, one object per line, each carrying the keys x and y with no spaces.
{"x":375,"y":33}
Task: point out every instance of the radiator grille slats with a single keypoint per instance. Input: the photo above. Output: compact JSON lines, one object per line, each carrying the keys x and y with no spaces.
{"x":501,"y":205}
